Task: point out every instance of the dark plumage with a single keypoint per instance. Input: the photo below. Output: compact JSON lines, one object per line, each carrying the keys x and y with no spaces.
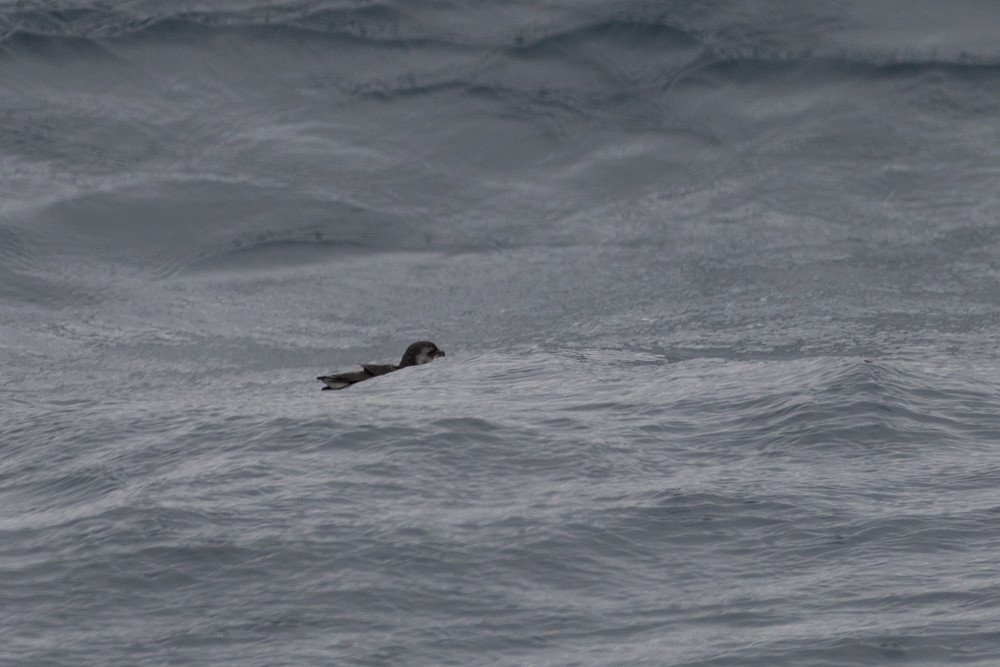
{"x":421,"y":352}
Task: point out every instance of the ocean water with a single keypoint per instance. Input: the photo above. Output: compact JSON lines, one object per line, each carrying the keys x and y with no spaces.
{"x":719,"y":285}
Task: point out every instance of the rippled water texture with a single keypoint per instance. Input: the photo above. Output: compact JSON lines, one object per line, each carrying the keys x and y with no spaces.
{"x":717,"y":285}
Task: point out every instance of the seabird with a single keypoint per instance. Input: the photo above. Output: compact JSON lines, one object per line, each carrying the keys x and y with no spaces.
{"x":421,"y":352}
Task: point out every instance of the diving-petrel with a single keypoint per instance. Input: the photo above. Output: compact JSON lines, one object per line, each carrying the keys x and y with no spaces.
{"x":421,"y":352}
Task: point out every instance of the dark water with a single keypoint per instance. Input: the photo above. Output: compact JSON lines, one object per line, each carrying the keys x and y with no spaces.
{"x":718,"y":284}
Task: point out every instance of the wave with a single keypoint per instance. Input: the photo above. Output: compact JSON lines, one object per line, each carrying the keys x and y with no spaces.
{"x":266,"y":106}
{"x":164,"y":228}
{"x":368,"y":22}
{"x":25,"y":278}
{"x":633,"y":39}
{"x":881,"y":408}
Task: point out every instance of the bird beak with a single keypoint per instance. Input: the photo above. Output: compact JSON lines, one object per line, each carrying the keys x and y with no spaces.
{"x":440,"y":353}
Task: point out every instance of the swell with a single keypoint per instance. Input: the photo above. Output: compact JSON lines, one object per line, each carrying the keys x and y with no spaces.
{"x":644,"y":50}
{"x":170,"y":227}
{"x":372,"y":23}
{"x":879,"y":408}
{"x":25,"y":277}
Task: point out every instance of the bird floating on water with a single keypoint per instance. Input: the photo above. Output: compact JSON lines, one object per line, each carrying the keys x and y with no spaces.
{"x":421,"y":352}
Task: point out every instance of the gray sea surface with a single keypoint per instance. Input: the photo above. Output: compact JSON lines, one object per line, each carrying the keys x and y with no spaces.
{"x":718,"y":283}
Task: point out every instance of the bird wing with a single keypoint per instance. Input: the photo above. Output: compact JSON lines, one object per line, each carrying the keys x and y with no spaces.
{"x":343,"y":380}
{"x":378,"y":369}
